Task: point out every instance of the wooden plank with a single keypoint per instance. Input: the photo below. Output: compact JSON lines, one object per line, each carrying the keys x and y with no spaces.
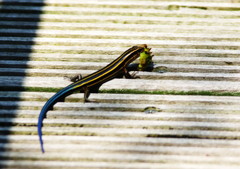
{"x":195,"y":43}
{"x":148,"y":85}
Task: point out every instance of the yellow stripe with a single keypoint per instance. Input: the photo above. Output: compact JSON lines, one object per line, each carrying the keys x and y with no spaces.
{"x":107,"y":72}
{"x":106,"y":66}
{"x":77,"y":86}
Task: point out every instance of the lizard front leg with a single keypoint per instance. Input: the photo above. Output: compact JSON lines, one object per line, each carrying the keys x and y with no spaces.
{"x":128,"y":75}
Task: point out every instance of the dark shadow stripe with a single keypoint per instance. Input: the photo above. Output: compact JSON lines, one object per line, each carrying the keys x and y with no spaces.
{"x":12,"y":19}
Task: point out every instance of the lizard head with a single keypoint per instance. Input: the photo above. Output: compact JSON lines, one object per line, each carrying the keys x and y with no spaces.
{"x":142,"y":45}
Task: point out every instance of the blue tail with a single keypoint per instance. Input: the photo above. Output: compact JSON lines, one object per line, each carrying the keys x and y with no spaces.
{"x":60,"y":96}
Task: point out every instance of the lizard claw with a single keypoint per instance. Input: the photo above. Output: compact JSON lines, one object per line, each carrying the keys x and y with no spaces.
{"x":133,"y":75}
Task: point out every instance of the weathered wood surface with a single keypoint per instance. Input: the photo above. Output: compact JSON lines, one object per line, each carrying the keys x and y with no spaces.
{"x":195,"y":42}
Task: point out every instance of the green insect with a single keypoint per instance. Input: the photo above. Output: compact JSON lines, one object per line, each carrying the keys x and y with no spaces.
{"x":145,"y":59}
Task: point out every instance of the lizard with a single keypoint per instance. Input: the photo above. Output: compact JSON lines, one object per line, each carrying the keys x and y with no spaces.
{"x":145,"y":64}
{"x":91,"y":83}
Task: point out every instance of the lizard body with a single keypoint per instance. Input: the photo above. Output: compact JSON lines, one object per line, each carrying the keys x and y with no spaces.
{"x":91,"y":83}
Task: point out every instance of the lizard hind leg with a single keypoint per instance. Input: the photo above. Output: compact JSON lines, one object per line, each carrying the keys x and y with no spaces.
{"x":74,"y":78}
{"x":87,"y":91}
{"x":86,"y":94}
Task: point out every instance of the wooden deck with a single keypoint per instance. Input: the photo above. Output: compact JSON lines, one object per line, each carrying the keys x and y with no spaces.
{"x":196,"y":42}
